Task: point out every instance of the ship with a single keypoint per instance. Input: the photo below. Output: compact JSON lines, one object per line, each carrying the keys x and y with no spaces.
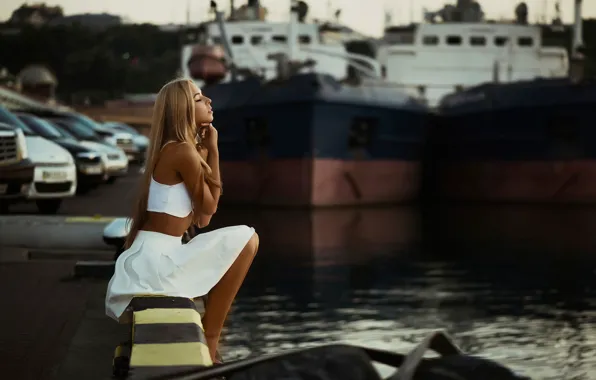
{"x":524,"y":140}
{"x":456,"y":47}
{"x":303,"y":122}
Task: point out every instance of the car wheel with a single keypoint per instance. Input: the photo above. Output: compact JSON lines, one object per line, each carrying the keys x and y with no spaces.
{"x":111,"y":180}
{"x":48,"y":206}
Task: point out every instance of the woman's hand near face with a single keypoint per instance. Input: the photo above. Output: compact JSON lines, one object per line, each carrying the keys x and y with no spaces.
{"x":210,"y":140}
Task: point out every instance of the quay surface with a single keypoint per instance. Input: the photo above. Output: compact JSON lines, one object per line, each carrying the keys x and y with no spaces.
{"x":54,"y":326}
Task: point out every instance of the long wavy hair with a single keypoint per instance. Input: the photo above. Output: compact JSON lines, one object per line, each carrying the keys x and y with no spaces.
{"x":173,"y":120}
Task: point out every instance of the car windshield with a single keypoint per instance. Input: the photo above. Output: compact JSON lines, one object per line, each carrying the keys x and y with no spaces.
{"x":61,"y":129}
{"x":9,"y":118}
{"x":84,"y":121}
{"x":122,"y":127}
{"x":77,"y":129}
{"x":41,"y":127}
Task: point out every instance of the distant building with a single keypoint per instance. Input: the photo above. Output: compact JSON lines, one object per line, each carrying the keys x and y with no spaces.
{"x":35,"y":14}
{"x":38,"y":82}
{"x":38,"y":15}
{"x":98,"y":21}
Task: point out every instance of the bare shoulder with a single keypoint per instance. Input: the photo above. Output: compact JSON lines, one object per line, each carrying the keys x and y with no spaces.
{"x":183,"y":149}
{"x":187,"y":164}
{"x":185,"y":154}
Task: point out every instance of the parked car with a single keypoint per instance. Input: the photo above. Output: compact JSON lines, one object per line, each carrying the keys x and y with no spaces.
{"x":54,"y":170}
{"x":91,"y":163}
{"x":17,"y":171}
{"x":116,"y":160}
{"x":122,"y":140}
{"x":141,"y":141}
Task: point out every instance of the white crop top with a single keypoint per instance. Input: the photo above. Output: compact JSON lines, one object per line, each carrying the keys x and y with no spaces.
{"x":169,"y":199}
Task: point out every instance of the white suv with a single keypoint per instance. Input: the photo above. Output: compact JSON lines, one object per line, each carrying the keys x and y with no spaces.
{"x":54,"y":173}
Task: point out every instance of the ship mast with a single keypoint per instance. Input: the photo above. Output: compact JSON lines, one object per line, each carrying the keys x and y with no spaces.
{"x":293,"y":31}
{"x":577,"y":28}
{"x":232,"y":10}
{"x":187,"y":13}
{"x":576,"y":67}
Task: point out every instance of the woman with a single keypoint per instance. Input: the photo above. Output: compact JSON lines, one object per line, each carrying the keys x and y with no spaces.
{"x":181,"y":185}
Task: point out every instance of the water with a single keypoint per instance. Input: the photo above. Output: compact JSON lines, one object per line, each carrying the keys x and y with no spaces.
{"x":515,"y":284}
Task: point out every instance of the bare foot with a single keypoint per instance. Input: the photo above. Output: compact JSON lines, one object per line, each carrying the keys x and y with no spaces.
{"x":212,"y":344}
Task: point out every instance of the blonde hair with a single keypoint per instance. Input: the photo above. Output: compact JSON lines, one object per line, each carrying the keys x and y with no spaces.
{"x":174,"y":120}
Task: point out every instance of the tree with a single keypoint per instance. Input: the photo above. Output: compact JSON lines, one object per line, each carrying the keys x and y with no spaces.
{"x":123,"y":58}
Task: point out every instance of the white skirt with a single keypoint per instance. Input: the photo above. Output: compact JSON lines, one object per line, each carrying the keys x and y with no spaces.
{"x":159,"y":264}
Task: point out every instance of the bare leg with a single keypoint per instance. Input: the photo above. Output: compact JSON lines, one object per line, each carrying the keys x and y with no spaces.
{"x":220,"y":298}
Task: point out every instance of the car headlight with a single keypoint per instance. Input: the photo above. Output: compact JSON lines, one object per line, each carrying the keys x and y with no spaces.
{"x":22,"y":144}
{"x":88,"y":155}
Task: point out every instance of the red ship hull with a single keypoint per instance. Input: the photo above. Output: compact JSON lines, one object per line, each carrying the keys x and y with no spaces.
{"x":553,"y":181}
{"x":319,"y":182}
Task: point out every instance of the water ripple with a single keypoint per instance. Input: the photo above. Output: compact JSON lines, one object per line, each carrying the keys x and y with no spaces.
{"x":547,"y":341}
{"x":513,"y":284}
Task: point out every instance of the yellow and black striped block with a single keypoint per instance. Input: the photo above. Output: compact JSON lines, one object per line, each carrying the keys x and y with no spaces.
{"x":167,"y":337}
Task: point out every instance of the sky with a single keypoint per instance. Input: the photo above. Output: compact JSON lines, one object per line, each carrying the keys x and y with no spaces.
{"x":353,"y":11}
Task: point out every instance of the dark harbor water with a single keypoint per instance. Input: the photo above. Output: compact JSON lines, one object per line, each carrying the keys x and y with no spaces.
{"x":515,"y":284}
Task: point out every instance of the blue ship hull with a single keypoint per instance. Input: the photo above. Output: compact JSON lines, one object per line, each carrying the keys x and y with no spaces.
{"x":524,"y":141}
{"x":313,"y":141}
